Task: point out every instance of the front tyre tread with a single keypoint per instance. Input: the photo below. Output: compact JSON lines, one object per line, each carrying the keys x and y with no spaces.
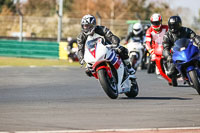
{"x":105,"y":82}
{"x":195,"y":80}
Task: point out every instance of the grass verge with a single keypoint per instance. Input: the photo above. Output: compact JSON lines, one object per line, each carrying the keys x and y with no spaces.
{"x":11,"y":61}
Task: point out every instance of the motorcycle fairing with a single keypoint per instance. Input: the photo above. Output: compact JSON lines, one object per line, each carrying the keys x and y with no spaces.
{"x":91,"y":47}
{"x":158,"y":58}
{"x":114,"y":59}
{"x":125,"y":86}
{"x":135,"y":48}
{"x":182,"y":56}
{"x":119,"y":66}
{"x":96,"y":53}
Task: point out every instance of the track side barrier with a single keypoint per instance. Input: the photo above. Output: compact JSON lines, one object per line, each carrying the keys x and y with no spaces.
{"x":30,"y":49}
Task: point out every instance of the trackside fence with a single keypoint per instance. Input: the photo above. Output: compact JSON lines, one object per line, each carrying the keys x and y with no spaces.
{"x":30,"y":49}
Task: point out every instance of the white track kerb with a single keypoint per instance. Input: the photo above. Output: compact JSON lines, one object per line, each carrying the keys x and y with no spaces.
{"x":151,"y":130}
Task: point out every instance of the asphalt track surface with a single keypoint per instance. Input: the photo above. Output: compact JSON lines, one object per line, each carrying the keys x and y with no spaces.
{"x":64,"y":99}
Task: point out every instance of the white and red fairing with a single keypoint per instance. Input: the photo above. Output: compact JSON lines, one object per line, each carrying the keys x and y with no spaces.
{"x":96,"y":53}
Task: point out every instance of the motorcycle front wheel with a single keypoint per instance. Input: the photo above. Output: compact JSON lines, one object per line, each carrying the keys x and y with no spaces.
{"x":108,"y":84}
{"x":195,"y":80}
{"x":150,"y":66}
{"x":133,"y":60}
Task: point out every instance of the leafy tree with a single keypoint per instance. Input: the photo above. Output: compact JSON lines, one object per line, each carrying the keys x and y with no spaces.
{"x":7,"y":7}
{"x":67,"y":5}
{"x":107,"y":8}
{"x":39,"y":7}
{"x":44,"y":7}
{"x":119,"y":9}
{"x":164,"y":10}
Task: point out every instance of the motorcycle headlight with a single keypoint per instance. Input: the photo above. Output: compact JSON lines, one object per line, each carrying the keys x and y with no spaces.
{"x":183,"y":48}
{"x":179,"y":61}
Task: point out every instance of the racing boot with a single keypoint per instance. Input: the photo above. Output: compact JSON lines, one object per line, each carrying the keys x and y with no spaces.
{"x":171,"y":70}
{"x":89,"y":71}
{"x":131,"y":71}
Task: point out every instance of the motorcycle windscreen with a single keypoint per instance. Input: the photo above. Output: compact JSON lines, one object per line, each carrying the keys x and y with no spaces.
{"x":184,"y":50}
{"x":90,"y":51}
{"x":181,"y":44}
{"x":95,"y":50}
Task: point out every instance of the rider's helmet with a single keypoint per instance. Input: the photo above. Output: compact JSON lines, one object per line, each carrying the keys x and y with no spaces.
{"x":88,"y":24}
{"x":174,"y":24}
{"x":156,"y":22}
{"x":137,"y":28}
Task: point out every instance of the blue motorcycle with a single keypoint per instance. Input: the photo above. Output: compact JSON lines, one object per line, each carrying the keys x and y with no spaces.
{"x":186,"y":57}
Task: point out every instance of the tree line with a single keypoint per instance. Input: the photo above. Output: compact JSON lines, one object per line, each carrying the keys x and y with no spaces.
{"x":107,"y":9}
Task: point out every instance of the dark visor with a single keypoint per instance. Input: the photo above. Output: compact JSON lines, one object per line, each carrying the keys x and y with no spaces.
{"x":156,"y":23}
{"x":136,"y":29}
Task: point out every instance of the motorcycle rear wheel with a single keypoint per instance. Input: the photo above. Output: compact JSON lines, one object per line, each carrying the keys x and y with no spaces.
{"x":195,"y":80}
{"x":134,"y":89}
{"x":108,"y":84}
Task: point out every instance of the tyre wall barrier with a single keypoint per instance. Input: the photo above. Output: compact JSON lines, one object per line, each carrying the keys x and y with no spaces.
{"x":33,"y":49}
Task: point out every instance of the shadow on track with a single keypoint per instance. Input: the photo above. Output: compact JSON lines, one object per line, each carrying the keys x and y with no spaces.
{"x":157,"y":98}
{"x":183,"y":86}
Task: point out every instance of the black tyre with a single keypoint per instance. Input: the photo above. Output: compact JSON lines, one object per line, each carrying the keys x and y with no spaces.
{"x":108,"y":84}
{"x":174,"y":82}
{"x":143,"y":65}
{"x":134,"y":89}
{"x":195,"y":80}
{"x":150,"y":66}
{"x":133,"y":60}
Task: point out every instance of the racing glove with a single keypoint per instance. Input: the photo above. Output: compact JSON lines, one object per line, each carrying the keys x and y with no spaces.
{"x":151,"y":51}
{"x":197,"y":40}
{"x":169,"y":59}
{"x":82,"y":62}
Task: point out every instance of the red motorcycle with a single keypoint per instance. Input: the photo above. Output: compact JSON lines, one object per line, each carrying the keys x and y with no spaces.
{"x":160,"y":62}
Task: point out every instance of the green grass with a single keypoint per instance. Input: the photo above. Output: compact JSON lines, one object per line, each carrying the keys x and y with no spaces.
{"x":11,"y":61}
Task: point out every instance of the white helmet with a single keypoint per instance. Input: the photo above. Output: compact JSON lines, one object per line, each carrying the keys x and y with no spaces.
{"x":137,"y":28}
{"x":88,"y":24}
{"x":156,"y":21}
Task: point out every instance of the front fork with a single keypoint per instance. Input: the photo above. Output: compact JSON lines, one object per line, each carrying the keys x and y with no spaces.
{"x":101,"y":65}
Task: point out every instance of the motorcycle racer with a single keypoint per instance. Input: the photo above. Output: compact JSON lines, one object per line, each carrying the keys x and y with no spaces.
{"x":176,"y":31}
{"x":155,"y":33}
{"x":89,"y":27}
{"x":136,"y":34}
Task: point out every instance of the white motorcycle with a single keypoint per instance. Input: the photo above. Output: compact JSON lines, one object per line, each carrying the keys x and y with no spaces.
{"x":108,"y":68}
{"x":136,"y":52}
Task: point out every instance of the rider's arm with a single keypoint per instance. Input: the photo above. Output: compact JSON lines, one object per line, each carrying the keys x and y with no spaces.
{"x":167,"y":43}
{"x":128,"y":37}
{"x":81,"y":44}
{"x":148,"y":40}
{"x":109,"y":36}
